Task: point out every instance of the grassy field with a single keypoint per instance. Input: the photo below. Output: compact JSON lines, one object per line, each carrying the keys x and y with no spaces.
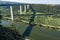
{"x":38,"y":33}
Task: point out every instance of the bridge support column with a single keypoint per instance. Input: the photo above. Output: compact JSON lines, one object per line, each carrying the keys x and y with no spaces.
{"x":11,"y":10}
{"x":25,"y":8}
{"x":20,"y":9}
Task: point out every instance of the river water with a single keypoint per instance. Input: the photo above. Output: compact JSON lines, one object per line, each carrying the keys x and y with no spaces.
{"x":37,"y":33}
{"x":6,"y":23}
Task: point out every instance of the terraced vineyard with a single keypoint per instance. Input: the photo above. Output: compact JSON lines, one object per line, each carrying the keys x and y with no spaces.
{"x":45,"y":21}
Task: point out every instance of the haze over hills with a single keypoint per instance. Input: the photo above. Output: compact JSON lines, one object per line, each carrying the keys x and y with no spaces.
{"x":4,"y":2}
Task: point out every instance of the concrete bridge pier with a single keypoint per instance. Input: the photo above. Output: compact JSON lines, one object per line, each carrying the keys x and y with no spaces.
{"x":11,"y":10}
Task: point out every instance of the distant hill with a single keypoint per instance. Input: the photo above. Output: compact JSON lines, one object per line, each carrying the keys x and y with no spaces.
{"x":55,"y":9}
{"x":47,"y":8}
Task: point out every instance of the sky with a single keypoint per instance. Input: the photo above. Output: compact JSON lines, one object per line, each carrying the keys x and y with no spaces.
{"x":35,"y":1}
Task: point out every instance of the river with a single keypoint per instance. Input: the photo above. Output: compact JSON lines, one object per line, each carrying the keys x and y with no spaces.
{"x":37,"y":33}
{"x":6,"y":23}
